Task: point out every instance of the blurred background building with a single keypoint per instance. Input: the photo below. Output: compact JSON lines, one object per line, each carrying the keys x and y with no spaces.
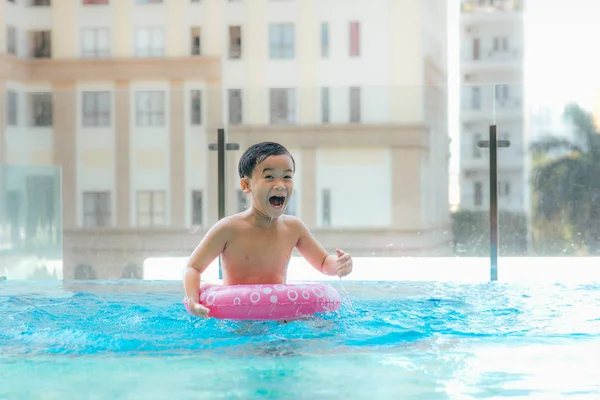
{"x":492,"y":49}
{"x":125,"y":97}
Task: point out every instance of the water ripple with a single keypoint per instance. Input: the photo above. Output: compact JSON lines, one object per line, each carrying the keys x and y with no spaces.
{"x":133,"y":318}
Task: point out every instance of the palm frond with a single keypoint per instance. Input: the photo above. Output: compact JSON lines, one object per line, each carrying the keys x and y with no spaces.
{"x":558,"y":184}
{"x":555,"y":144}
{"x":583,"y":122}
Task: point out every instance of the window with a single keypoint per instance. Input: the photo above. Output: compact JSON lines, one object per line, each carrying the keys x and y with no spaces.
{"x":96,"y":109}
{"x":150,"y":108}
{"x":95,"y":1}
{"x":11,"y":109}
{"x":326,"y":216}
{"x":476,"y":98}
{"x":149,"y":42}
{"x":235,"y":106}
{"x":501,"y":92}
{"x":41,"y":44}
{"x":501,"y":43}
{"x":283,"y":106}
{"x":478,"y":193}
{"x":354,"y":39}
{"x":11,"y":40}
{"x":197,"y":208}
{"x":355,"y":105}
{"x":235,"y":42}
{"x":151,"y":208}
{"x":325,"y":105}
{"x":96,"y":209}
{"x":281,"y":41}
{"x":40,"y":109}
{"x":324,"y":40}
{"x":196,"y":107}
{"x":476,"y":148}
{"x":242,"y":201}
{"x":95,"y":43}
{"x":195,"y":41}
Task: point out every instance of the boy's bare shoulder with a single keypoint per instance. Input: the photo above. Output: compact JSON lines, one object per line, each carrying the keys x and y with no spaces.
{"x":293,"y":222}
{"x":225,"y":226}
{"x":230,"y":222}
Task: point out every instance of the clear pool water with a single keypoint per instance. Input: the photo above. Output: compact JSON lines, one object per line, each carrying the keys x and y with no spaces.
{"x":133,"y":339}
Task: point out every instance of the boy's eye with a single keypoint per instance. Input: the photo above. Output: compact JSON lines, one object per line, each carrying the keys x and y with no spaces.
{"x":288,"y":177}
{"x":269,"y":177}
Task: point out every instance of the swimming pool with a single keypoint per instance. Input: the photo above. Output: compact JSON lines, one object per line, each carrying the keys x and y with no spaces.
{"x":391,"y":340}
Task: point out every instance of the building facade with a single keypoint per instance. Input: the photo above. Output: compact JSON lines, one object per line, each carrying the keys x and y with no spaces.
{"x":492,"y":92}
{"x":126,"y":96}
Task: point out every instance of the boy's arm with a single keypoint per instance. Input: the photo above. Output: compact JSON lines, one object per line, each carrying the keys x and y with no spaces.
{"x":209,"y":248}
{"x":314,"y":253}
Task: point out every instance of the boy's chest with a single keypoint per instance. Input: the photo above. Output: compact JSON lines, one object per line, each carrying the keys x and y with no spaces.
{"x":263,"y":248}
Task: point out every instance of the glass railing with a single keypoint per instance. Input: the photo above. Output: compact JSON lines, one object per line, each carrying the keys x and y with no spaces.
{"x":30,"y":222}
{"x":381,"y":172}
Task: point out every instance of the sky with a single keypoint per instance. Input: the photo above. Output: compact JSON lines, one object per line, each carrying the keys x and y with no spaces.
{"x":562,"y":61}
{"x":562,"y":57}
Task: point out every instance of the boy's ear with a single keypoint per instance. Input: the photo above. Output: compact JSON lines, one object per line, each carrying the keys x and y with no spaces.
{"x":245,"y":184}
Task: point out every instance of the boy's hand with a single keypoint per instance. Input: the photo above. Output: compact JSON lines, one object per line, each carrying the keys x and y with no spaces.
{"x":344,"y":263}
{"x":198,"y":309}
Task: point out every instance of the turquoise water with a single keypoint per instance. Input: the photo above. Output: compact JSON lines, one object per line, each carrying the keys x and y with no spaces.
{"x":133,"y":339}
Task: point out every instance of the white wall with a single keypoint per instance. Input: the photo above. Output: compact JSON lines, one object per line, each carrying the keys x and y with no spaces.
{"x":511,"y":161}
{"x":435,"y":37}
{"x":196,"y":151}
{"x":15,"y":16}
{"x":369,"y":71}
{"x":360,"y":183}
{"x":154,"y":139}
{"x":25,"y":142}
{"x":486,"y":32}
{"x":339,"y":71}
{"x":96,"y":16}
{"x":92,"y":140}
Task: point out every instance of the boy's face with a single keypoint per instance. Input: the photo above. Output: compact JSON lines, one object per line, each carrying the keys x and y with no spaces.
{"x":271,"y":185}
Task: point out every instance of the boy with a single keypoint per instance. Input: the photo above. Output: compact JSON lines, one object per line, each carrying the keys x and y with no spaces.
{"x":256,"y":244}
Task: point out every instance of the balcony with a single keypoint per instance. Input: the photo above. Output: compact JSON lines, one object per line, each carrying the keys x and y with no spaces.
{"x":490,"y":59}
{"x":491,"y":6}
{"x":484,"y":103}
{"x":478,"y":15}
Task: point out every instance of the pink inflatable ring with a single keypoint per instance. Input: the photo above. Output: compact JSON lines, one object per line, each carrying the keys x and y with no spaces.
{"x":268,"y":302}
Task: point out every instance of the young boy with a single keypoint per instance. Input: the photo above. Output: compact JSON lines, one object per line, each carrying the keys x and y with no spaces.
{"x":256,"y":244}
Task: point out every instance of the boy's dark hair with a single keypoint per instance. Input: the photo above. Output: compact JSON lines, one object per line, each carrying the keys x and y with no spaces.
{"x":258,"y":153}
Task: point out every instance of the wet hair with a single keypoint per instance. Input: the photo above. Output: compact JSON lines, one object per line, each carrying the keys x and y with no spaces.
{"x":258,"y":153}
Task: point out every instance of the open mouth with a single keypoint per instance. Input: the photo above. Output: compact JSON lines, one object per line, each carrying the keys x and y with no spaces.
{"x":277,"y":201}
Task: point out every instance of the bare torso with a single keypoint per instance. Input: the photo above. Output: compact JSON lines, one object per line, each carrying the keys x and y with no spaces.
{"x":258,"y":254}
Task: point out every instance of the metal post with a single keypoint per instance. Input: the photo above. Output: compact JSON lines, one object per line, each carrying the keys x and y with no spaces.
{"x":493,"y":143}
{"x":493,"y":204}
{"x":221,"y":146}
{"x":221,"y":181}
